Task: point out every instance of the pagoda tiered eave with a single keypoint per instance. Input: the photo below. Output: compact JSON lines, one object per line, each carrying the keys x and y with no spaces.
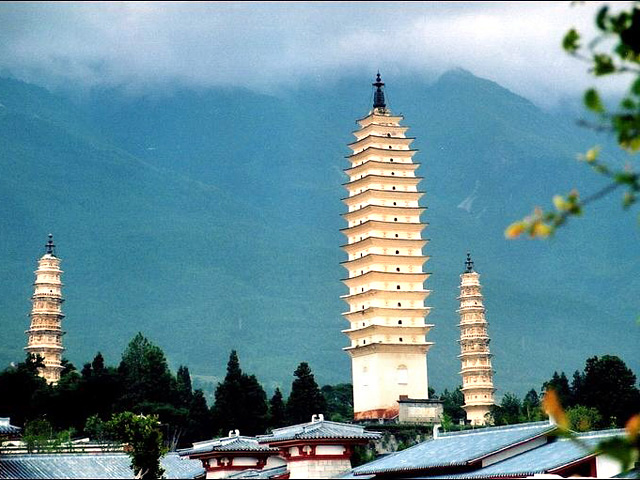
{"x":386,"y":179}
{"x":383,"y":210}
{"x":376,"y":275}
{"x":380,"y":139}
{"x":387,"y":166}
{"x":383,"y":195}
{"x":373,"y":128}
{"x":380,"y":153}
{"x":382,"y":242}
{"x":378,"y":119}
{"x":375,"y":225}
{"x":410,"y":295}
{"x":386,"y":312}
{"x":385,"y":259}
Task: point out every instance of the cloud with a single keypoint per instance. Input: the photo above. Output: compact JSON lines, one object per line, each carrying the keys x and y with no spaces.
{"x":271,"y":45}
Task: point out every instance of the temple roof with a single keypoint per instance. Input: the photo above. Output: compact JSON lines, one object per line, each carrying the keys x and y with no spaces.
{"x":6,"y":428}
{"x":544,"y":459}
{"x":456,"y":448}
{"x":320,"y":430}
{"x":227,"y":444}
{"x":89,"y":465}
{"x":266,"y":473}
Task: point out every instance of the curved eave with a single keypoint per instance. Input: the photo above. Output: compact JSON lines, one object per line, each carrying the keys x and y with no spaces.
{"x":412,"y":181}
{"x":391,"y":120}
{"x":388,"y":276}
{"x":385,"y":259}
{"x":384,"y":242}
{"x":410,"y":227}
{"x":398,"y":166}
{"x":387,"y":312}
{"x":406,"y":294}
{"x":372,"y":127}
{"x":400,"y":140}
{"x":475,"y":354}
{"x":386,"y":194}
{"x":405,"y":152}
{"x":395,"y":329}
{"x":385,"y":210}
{"x":423,"y":346}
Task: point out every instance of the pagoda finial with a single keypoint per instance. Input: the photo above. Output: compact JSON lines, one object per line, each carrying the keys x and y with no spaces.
{"x":378,"y":96}
{"x":469,"y":263}
{"x":50,"y":246}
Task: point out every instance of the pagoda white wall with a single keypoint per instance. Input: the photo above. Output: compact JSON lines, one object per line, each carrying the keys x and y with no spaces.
{"x":375,"y":379}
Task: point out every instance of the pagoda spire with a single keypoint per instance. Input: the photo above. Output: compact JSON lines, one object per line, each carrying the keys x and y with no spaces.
{"x":477,"y":373}
{"x":50,"y":247}
{"x":45,"y":332}
{"x":469,"y":263}
{"x":378,"y":96}
{"x":386,"y":297}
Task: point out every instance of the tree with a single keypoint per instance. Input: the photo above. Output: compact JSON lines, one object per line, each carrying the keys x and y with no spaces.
{"x":199,"y":421}
{"x":623,"y":32}
{"x":610,"y":387}
{"x":508,"y":412}
{"x":452,"y":405}
{"x":28,"y":391}
{"x":240,"y":401}
{"x":531,"y":406}
{"x":183,"y":386}
{"x":339,"y":399}
{"x":560,"y":384}
{"x":306,"y":398}
{"x":583,"y":419}
{"x":143,"y":442}
{"x":277,"y":410}
{"x":145,"y":374}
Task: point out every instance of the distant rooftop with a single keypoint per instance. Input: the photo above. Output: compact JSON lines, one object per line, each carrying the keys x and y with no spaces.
{"x":95,"y":465}
{"x":227,"y":444}
{"x":319,"y":429}
{"x":456,"y":448}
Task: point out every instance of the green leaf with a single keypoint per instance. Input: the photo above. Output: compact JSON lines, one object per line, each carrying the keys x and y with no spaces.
{"x":570,"y":41}
{"x":592,"y":101}
{"x":635,"y":87}
{"x":601,"y":17}
{"x":603,"y":64}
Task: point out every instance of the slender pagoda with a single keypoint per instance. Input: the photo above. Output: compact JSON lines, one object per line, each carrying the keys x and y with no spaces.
{"x":385,"y":266}
{"x":477,"y":374}
{"x":45,"y":333}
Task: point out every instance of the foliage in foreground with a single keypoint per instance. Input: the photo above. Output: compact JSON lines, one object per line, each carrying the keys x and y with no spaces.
{"x":621,"y":31}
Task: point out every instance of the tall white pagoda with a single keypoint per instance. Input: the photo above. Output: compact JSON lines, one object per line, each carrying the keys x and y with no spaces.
{"x":477,"y":373}
{"x":386,"y":298}
{"x":45,"y":332}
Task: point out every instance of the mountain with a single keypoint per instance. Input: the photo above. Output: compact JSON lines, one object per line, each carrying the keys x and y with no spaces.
{"x":209,"y":220}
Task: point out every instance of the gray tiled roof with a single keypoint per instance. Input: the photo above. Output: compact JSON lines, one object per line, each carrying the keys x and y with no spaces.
{"x":83,"y":465}
{"x":6,"y":428}
{"x":322,"y":429}
{"x":260,"y":474}
{"x":227,"y":444}
{"x":539,"y":460}
{"x":456,"y":448}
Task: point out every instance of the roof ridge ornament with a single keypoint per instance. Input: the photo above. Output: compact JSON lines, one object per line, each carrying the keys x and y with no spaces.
{"x":378,"y":96}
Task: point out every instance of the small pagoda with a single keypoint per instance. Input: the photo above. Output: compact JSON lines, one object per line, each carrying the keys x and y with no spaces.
{"x":45,"y":333}
{"x":477,"y":373}
{"x":386,"y":299}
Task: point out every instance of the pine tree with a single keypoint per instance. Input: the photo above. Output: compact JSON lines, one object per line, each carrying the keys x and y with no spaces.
{"x":277,"y":410}
{"x":183,"y":386}
{"x":306,"y":399}
{"x":241,"y":402}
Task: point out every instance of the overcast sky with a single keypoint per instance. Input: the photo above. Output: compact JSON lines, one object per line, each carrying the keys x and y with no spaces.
{"x":270,"y":45}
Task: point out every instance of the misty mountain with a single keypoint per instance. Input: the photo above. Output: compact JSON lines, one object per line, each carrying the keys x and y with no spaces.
{"x":209,"y":220}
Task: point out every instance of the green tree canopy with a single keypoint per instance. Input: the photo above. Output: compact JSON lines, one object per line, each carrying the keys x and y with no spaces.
{"x":240,"y":401}
{"x":305,"y":399}
{"x":277,"y":410}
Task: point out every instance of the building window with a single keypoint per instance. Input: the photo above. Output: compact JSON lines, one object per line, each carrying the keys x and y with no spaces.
{"x":388,"y":134}
{"x":398,"y":287}
{"x":395,"y":219}
{"x":393,"y":188}
{"x":397,"y":252}
{"x":392,"y":173}
{"x":399,"y":304}
{"x":399,"y":322}
{"x":397,"y":269}
{"x":400,"y":339}
{"x":391,"y":159}
{"x":402,"y":375}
